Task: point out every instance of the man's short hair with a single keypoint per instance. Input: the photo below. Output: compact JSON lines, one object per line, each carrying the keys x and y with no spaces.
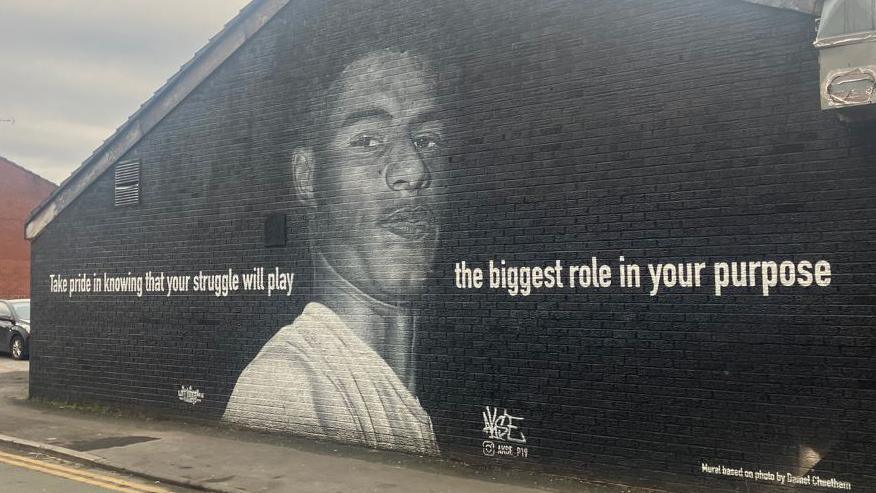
{"x":321,"y":38}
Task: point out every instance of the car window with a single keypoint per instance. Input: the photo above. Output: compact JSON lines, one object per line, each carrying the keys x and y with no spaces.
{"x":4,"y":311}
{"x":22,"y":310}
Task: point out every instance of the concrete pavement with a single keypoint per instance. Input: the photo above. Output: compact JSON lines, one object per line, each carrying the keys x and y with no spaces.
{"x":215,"y":458}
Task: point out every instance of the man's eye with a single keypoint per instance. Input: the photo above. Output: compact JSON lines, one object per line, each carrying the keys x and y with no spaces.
{"x":426,"y":142}
{"x":366,"y":141}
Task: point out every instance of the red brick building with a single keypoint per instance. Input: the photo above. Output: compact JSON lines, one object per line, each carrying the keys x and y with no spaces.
{"x":20,"y":191}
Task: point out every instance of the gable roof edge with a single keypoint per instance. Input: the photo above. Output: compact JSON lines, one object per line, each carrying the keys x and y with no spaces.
{"x":205,"y":61}
{"x":29,"y":172}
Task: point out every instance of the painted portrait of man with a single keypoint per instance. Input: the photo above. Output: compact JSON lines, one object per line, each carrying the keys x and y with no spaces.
{"x":370,"y":180}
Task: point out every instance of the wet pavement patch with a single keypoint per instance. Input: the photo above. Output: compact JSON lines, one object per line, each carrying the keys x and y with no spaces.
{"x":107,"y":442}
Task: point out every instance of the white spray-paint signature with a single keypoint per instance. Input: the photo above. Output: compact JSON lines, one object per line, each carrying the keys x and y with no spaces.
{"x":501,"y":426}
{"x":187,"y":394}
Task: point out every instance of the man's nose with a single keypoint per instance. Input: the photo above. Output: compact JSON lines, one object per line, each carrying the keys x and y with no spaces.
{"x":406,"y":170}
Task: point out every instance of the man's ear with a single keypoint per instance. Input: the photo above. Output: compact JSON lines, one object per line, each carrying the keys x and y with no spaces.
{"x":302,"y":174}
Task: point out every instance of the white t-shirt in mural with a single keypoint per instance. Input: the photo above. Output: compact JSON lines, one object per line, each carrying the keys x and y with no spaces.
{"x":316,"y":378}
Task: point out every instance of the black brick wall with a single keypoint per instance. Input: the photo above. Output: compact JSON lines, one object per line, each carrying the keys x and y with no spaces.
{"x":668,"y":131}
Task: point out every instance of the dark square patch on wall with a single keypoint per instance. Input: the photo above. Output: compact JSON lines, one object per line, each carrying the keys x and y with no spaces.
{"x":275,"y":230}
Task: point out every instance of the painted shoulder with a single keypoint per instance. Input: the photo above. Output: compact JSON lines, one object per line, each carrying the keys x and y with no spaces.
{"x":285,"y":386}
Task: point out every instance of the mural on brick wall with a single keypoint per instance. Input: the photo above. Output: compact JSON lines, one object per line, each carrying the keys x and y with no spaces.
{"x":344,"y":368}
{"x":536,"y":235}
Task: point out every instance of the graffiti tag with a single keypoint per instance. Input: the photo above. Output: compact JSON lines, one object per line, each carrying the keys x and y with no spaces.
{"x":502,"y":427}
{"x":189,"y":395}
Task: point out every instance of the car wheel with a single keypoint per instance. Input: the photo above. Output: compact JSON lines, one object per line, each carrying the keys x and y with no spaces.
{"x":16,"y":347}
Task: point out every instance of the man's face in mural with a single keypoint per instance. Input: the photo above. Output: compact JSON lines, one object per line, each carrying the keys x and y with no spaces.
{"x":372,"y":178}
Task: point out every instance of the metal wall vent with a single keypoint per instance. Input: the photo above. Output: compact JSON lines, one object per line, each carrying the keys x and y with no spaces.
{"x":127,"y":183}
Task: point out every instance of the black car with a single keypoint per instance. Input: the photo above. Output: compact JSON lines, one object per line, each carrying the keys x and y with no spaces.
{"x":15,"y":327}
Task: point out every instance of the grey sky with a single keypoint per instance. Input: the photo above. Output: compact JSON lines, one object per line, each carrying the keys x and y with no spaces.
{"x":74,"y":70}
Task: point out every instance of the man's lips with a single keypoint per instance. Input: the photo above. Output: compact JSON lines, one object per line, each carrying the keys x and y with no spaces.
{"x":409,"y":222}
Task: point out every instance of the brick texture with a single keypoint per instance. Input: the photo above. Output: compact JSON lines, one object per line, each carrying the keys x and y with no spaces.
{"x":673,"y":131}
{"x":20,"y":191}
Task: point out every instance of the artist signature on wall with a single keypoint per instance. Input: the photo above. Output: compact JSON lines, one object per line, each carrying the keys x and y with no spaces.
{"x":504,"y":429}
{"x":189,"y":395}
